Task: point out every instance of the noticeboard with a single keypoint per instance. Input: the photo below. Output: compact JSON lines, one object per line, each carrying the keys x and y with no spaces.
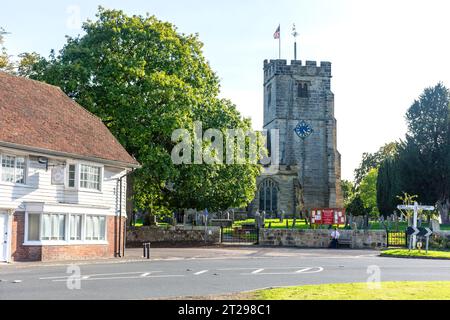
{"x":328,"y":216}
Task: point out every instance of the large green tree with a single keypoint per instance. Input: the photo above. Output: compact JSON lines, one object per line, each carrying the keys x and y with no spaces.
{"x":348,"y":191}
{"x":144,"y":79}
{"x":371,"y":161}
{"x":368,"y":192}
{"x":425,"y":155}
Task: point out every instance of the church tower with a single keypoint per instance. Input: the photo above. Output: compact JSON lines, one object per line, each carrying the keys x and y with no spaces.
{"x":299,"y":103}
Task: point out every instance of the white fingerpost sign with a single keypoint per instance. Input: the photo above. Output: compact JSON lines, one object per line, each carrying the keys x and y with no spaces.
{"x":416,"y":209}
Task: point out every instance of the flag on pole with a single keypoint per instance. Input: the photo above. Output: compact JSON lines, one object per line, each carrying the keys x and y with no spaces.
{"x":277,"y":33}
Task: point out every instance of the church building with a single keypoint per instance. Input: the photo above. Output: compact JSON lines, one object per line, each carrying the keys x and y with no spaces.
{"x":299,"y":105}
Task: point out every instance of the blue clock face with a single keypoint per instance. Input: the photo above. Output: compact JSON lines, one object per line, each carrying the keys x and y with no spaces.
{"x":303,"y":130}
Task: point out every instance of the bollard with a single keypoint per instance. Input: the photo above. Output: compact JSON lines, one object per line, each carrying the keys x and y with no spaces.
{"x":147,"y":250}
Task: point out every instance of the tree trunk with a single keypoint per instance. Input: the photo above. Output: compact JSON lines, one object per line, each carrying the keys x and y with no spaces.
{"x":444,"y":208}
{"x":149,"y":220}
{"x":366,"y":221}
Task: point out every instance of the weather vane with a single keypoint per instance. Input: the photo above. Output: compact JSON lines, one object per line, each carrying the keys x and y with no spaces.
{"x":294,"y":31}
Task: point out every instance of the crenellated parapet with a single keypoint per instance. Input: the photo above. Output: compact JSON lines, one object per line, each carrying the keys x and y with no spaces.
{"x":296,"y":67}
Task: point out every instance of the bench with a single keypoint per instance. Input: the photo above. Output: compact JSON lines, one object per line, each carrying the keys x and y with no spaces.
{"x":345,"y":241}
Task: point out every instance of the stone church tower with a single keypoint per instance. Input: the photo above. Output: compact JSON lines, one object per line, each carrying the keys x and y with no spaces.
{"x":299,"y":103}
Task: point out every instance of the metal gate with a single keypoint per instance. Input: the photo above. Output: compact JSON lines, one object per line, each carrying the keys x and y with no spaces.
{"x":397,"y":239}
{"x":244,"y":234}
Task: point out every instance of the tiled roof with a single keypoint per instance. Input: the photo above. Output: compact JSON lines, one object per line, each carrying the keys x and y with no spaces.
{"x":38,"y":115}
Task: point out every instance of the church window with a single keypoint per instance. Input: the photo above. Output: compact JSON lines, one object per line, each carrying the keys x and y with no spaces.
{"x":269,"y":144}
{"x":269,"y":95}
{"x":302,"y":90}
{"x":268,"y":196}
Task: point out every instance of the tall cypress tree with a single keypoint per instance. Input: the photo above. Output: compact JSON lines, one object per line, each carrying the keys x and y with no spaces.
{"x":425,"y":155}
{"x":388,"y":186}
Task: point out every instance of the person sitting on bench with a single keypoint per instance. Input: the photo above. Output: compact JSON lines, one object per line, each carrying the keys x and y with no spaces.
{"x":335,"y":238}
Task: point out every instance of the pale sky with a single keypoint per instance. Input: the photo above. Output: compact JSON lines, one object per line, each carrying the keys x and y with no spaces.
{"x":384,"y":53}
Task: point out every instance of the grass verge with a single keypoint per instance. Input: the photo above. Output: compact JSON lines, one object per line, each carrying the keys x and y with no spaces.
{"x":358,"y":291}
{"x":405,"y":253}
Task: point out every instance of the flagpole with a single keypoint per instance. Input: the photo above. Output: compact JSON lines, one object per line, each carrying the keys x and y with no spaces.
{"x":279,"y":44}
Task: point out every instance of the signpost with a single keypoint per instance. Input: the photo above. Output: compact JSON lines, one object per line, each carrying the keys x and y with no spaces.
{"x":416,"y":209}
{"x":419,"y":232}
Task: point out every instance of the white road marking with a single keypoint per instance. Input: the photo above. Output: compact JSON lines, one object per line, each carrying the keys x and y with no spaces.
{"x":265,"y":268}
{"x":295,"y":271}
{"x":200,"y":272}
{"x":121,"y":278}
{"x":97,"y":275}
{"x":145,"y":274}
{"x":235,"y":269}
{"x":257,"y":271}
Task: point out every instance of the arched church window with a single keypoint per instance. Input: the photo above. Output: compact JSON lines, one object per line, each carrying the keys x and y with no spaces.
{"x":268,"y":196}
{"x":302,"y":90}
{"x":269,"y":95}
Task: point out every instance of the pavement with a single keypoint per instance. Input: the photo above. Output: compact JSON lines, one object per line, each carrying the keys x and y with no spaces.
{"x":190,"y":272}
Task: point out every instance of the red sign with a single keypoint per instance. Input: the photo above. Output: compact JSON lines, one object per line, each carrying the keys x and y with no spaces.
{"x":328,"y":216}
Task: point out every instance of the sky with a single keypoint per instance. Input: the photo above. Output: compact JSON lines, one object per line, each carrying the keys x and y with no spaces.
{"x":383,"y":52}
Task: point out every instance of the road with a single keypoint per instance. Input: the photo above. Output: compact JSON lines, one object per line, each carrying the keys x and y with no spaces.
{"x":203,"y":272}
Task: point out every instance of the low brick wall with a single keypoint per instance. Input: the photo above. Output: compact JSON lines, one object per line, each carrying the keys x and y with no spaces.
{"x":136,"y":236}
{"x":321,"y":238}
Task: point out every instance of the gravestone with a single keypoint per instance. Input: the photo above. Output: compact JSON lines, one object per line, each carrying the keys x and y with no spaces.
{"x":435,"y":226}
{"x":257,"y":219}
{"x":359,"y":220}
{"x":174,"y":219}
{"x":350,"y":220}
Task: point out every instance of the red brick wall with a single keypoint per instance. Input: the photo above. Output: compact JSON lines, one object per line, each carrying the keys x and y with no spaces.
{"x":59,"y":253}
{"x":19,"y":252}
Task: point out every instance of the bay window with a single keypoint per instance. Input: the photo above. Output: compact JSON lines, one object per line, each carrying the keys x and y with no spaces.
{"x":72,"y":176}
{"x":57,"y":228}
{"x":95,"y":228}
{"x":12,"y":169}
{"x":75,"y":227}
{"x":90,"y":177}
{"x":53,"y":227}
{"x":83,"y":176}
{"x":34,"y":227}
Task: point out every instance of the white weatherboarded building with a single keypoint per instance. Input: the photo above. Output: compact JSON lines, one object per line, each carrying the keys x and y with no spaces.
{"x":62,"y":177}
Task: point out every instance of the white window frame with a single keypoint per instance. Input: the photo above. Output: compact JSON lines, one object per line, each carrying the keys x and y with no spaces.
{"x":51,"y":225}
{"x":68,"y":176}
{"x":83,"y":218}
{"x":25,"y":173}
{"x":78,"y":176}
{"x":66,"y":241}
{"x":32,"y":242}
{"x":85,"y":229}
